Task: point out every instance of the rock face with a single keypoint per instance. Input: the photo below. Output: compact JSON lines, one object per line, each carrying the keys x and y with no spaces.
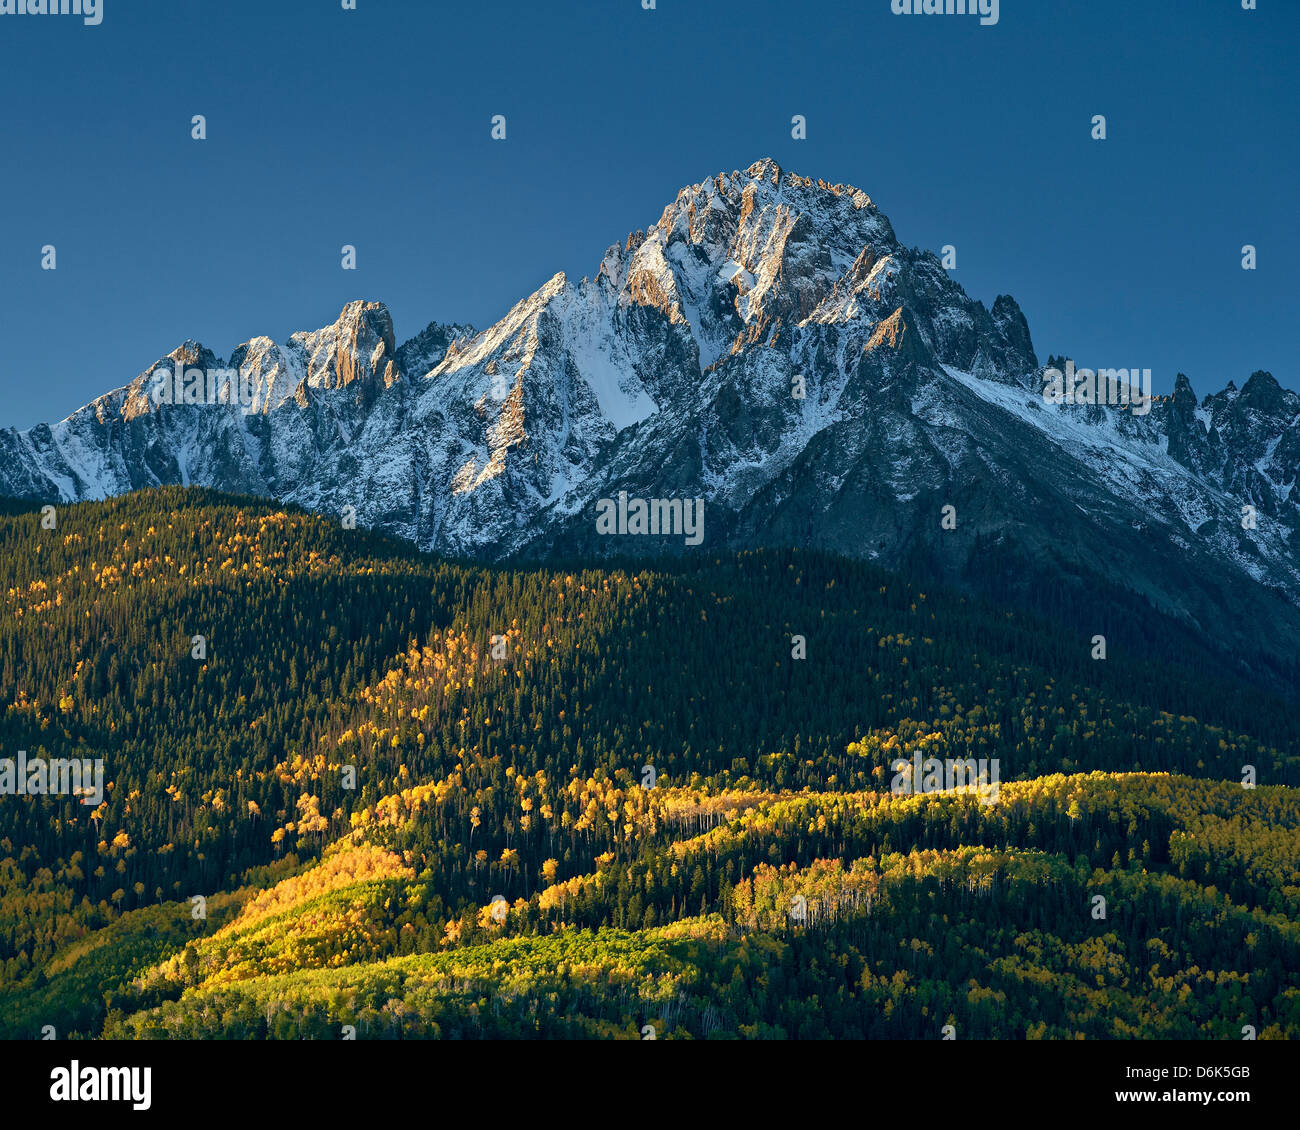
{"x":675,"y":374}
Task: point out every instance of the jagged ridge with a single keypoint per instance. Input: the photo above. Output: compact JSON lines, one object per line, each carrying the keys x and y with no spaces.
{"x":670,"y":374}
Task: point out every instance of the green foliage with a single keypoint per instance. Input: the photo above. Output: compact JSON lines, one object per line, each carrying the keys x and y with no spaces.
{"x":520,"y":776}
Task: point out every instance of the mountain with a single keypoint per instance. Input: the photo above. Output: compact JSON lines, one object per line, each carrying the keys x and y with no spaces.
{"x":671,"y":375}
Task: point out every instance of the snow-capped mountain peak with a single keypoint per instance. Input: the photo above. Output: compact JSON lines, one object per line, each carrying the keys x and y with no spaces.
{"x":767,"y":345}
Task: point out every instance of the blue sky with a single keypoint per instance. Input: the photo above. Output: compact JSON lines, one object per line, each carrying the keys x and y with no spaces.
{"x":372,"y":128}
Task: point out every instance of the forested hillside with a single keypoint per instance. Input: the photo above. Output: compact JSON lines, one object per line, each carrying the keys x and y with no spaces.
{"x":326,"y":754}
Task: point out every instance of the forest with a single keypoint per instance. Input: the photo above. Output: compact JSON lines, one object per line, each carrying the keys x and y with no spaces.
{"x":356,"y":791}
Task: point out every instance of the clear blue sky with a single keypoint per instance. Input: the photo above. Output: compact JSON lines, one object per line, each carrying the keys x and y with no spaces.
{"x":371,"y":127}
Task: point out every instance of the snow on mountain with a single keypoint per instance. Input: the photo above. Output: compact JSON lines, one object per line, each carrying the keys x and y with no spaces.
{"x":675,"y":373}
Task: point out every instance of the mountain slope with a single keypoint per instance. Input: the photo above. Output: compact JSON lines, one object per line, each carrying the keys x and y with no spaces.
{"x":236,"y":880}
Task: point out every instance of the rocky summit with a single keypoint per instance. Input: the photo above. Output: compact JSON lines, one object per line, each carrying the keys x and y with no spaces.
{"x":770,"y":349}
